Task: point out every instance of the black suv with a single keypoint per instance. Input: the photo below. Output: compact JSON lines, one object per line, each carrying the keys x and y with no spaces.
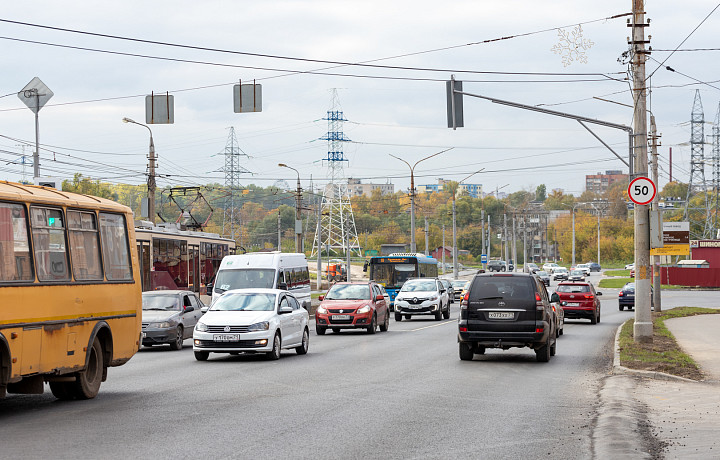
{"x":506,"y":310}
{"x":496,"y":266}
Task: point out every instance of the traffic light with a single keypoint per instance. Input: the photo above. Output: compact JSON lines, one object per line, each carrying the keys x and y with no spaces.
{"x":454,"y":104}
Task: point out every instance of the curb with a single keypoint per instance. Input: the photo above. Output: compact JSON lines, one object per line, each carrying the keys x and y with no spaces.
{"x":622,"y":370}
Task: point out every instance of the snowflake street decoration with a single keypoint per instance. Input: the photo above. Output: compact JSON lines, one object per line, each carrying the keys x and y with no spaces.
{"x":572,"y":46}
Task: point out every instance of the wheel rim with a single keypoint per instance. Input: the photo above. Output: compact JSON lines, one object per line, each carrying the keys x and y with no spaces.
{"x":276,"y":345}
{"x":93,"y":370}
{"x":179,"y":339}
{"x":305,"y":340}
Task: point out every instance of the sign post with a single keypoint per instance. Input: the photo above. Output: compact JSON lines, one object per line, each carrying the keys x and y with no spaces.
{"x":34,"y":95}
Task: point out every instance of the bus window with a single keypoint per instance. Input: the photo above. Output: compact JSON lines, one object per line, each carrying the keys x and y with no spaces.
{"x":49,"y":243}
{"x":84,"y":247}
{"x":14,"y":245}
{"x":115,"y":247}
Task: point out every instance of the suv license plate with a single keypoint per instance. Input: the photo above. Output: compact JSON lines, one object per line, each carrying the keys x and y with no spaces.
{"x":340,"y":317}
{"x":226,"y":337}
{"x":501,"y":315}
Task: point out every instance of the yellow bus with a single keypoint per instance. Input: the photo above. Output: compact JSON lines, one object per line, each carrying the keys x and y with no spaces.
{"x":70,"y":291}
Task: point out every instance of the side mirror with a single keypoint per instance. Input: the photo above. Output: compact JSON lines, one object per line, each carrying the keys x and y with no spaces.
{"x":286,"y":309}
{"x":282,"y":286}
{"x":189,"y":308}
{"x":598,"y":293}
{"x":209,"y":288}
{"x":554,"y":297}
{"x":321,"y":298}
{"x":204,"y":310}
{"x":365,"y":266}
{"x":380,"y":297}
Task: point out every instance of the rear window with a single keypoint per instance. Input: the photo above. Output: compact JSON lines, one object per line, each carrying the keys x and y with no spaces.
{"x":502,"y":287}
{"x":573,"y":288}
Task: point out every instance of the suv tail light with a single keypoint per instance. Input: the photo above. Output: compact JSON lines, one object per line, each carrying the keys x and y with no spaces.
{"x":464,"y":303}
{"x":621,"y":294}
{"x":538,"y":302}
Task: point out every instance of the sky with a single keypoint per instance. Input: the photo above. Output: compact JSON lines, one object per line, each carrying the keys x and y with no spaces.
{"x":395,"y":103}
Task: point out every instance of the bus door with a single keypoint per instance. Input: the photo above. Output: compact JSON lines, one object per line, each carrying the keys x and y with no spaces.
{"x":143,"y":248}
{"x":194,"y":267}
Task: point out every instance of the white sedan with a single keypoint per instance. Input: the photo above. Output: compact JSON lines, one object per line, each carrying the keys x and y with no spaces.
{"x":252,"y":321}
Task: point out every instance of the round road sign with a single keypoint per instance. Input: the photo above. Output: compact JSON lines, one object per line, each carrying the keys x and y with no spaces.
{"x":641,"y":190}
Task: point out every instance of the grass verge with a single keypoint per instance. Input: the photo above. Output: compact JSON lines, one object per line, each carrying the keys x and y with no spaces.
{"x":614,"y":283}
{"x":663,"y":354}
{"x":624,"y":273}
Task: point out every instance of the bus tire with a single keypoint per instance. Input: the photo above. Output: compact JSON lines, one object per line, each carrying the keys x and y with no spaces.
{"x":87,"y":382}
{"x":61,"y":390}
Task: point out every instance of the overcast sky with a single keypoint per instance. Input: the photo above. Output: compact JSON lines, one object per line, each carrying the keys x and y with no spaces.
{"x":402,"y":112}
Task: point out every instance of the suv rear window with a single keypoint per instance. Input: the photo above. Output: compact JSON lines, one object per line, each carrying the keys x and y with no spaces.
{"x":502,"y":287}
{"x":573,"y":288}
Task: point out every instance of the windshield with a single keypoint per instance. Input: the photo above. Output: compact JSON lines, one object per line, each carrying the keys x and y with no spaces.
{"x":577,"y":272}
{"x":629,"y":287}
{"x":509,"y":287}
{"x":168,"y":302}
{"x":418,"y":286}
{"x":573,"y":288}
{"x":560,"y":269}
{"x":349,"y":292}
{"x":542,"y":273}
{"x":244,"y":278}
{"x":459,"y":284}
{"x":245,"y":302}
{"x":392,"y":275}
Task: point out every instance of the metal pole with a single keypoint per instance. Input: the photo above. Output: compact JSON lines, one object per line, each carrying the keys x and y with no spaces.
{"x":413,"y":249}
{"x":514,"y":246}
{"x":454,"y":250}
{"x":505,"y":239}
{"x":279,"y":232}
{"x":319,"y":247}
{"x":482,"y":226}
{"x":36,"y":155}
{"x":657,"y":283}
{"x":643,"y":327}
{"x":443,"y":251}
{"x":347,"y":255}
{"x":151,"y":180}
{"x":489,"y":242}
{"x":573,"y":235}
{"x":298,"y":205}
{"x":525,"y":244}
{"x":426,"y":237}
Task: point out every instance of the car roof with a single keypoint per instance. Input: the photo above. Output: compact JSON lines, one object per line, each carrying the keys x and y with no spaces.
{"x":168,"y":292}
{"x":256,"y":291}
{"x":574,"y":283}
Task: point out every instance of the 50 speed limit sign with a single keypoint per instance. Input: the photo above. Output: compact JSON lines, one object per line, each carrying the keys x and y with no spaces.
{"x":641,"y":190}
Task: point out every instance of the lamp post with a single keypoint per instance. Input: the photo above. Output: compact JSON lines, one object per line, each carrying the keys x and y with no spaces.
{"x":151,"y":171}
{"x":298,"y":200}
{"x":455,"y":251}
{"x":413,"y":248}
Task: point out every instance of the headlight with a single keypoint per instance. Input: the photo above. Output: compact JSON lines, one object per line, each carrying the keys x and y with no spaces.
{"x":321,"y":310}
{"x":163,"y":325}
{"x":433,"y":297}
{"x":263,"y":326}
{"x":201,"y":327}
{"x":365,"y":309}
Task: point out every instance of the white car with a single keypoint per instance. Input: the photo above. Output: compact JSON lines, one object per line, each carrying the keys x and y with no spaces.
{"x":560,"y":273}
{"x":252,"y":321}
{"x":422,"y":296}
{"x":630,"y":266}
{"x":584,"y":267}
{"x":549,"y":267}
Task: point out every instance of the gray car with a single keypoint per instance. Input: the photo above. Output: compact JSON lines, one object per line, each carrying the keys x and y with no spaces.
{"x":169,"y":317}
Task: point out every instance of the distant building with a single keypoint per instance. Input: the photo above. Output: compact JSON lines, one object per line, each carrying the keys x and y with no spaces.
{"x":600,"y":183}
{"x":389,"y":248}
{"x":473,"y":190}
{"x":357,"y":188}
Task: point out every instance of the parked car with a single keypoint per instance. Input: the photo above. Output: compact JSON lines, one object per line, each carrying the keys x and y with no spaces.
{"x":496,"y":266}
{"x":626,"y":297}
{"x":422,"y":296}
{"x":352,"y":306}
{"x":549,"y":266}
{"x":532,"y":268}
{"x":630,"y":266}
{"x":505,"y":311}
{"x":594,"y":266}
{"x":576,"y":275}
{"x":632,"y":272}
{"x":449,"y":288}
{"x":169,"y":316}
{"x":580,"y":300}
{"x":544,"y":277}
{"x":559,"y":313}
{"x":458,"y":287}
{"x":560,"y":273}
{"x":252,"y":321}
{"x":584,"y":267}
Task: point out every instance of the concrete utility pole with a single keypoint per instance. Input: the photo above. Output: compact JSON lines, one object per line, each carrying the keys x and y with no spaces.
{"x":505,"y":239}
{"x":151,"y":185}
{"x":319,"y":247}
{"x":573,"y":235}
{"x":657,"y":284}
{"x":482,"y":225}
{"x":643,"y":328}
{"x":454,"y":250}
{"x":427,"y":249}
{"x":279,"y":232}
{"x":298,"y":207}
{"x":443,"y":251}
{"x":514,"y":242}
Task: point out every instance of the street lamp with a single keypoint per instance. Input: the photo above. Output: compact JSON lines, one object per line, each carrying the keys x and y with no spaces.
{"x":298,"y":200}
{"x":151,"y":172}
{"x":455,"y":251}
{"x":412,"y":194}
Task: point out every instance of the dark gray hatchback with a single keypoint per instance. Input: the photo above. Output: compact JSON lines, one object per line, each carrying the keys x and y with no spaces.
{"x":504,"y":311}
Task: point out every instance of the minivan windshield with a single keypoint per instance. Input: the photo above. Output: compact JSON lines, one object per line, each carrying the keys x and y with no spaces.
{"x":419,"y":285}
{"x":244,"y":278}
{"x":349,"y":292}
{"x":245,"y":302}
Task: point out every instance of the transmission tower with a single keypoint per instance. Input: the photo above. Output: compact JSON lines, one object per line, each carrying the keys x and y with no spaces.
{"x":232,"y":169}
{"x":697,"y":212}
{"x":337,"y":223}
{"x":715,"y":204}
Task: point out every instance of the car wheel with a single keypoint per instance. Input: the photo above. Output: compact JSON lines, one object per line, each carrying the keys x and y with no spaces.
{"x":553,"y":348}
{"x":336,"y":330}
{"x":202,"y":355}
{"x":479,"y":350}
{"x":594,"y":319}
{"x":438,"y":314}
{"x":562,"y":330}
{"x":398,"y":317}
{"x":320,"y":330}
{"x":407,"y":317}
{"x":373,"y":325}
{"x":598,"y":316}
{"x":177,"y":344}
{"x":542,"y":354}
{"x":303,"y":348}
{"x":621,"y":307}
{"x":446,"y":313}
{"x":386,"y":324}
{"x":274,"y":354}
{"x":465,"y":351}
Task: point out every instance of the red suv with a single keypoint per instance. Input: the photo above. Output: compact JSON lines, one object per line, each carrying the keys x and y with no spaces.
{"x":352,"y":306}
{"x":579,"y":300}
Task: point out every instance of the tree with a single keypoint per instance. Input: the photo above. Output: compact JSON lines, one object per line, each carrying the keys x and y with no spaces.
{"x":541,"y":193}
{"x":87,"y":186}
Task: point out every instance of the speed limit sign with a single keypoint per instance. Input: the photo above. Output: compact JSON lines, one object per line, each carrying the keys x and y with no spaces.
{"x":641,"y":190}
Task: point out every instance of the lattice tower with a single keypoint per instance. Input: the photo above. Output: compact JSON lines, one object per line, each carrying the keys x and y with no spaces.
{"x":696,"y":212}
{"x":337,"y":223}
{"x":232,"y":169}
{"x":715,"y":204}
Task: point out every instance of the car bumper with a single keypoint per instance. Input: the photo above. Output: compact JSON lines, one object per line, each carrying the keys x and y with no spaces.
{"x":579,"y":312}
{"x":493,"y":339}
{"x":425,"y":308}
{"x":158,"y":336}
{"x":627,"y":303}
{"x":248,"y":341}
{"x":355,"y":321}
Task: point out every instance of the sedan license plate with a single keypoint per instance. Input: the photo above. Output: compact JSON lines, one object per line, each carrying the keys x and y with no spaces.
{"x":226,"y":337}
{"x":573,"y":304}
{"x":340,"y":317}
{"x":501,"y":315}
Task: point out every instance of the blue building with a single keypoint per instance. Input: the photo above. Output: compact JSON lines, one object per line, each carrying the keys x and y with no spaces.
{"x":473,"y":190}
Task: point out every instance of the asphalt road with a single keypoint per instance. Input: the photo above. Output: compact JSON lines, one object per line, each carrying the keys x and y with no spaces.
{"x":397,"y":394}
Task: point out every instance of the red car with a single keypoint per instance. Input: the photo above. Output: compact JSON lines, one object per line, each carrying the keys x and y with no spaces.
{"x":579,"y":300}
{"x":352,"y":306}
